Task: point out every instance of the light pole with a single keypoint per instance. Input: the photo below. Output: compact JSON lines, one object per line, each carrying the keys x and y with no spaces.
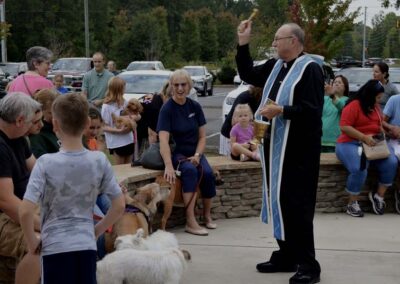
{"x":86,"y":7}
{"x":3,"y":40}
{"x":364,"y":36}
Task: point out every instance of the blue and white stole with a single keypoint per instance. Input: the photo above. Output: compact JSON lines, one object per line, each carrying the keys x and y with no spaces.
{"x":279,"y":134}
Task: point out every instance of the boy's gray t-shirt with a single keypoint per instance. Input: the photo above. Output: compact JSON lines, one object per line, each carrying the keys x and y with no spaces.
{"x":66,"y":185}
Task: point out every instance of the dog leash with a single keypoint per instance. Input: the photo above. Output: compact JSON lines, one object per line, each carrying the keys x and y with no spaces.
{"x":200,"y":179}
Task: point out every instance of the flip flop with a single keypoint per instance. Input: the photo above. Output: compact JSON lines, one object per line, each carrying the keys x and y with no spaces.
{"x":200,"y":232}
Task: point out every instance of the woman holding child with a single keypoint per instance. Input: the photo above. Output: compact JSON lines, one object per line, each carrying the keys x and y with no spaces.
{"x":184,"y":119}
{"x":360,"y":122}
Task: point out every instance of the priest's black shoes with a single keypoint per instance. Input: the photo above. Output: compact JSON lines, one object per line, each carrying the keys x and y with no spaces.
{"x":270,"y":267}
{"x":302,"y":277}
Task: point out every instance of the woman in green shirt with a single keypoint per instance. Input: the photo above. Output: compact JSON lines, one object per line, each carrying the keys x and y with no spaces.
{"x":335,"y":98}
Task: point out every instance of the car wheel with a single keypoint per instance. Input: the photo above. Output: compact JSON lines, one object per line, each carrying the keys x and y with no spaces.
{"x":211,"y":90}
{"x":204,"y":90}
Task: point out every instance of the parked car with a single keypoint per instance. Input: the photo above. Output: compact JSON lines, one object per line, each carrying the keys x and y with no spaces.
{"x":73,"y":69}
{"x":202,"y":79}
{"x":10,"y":70}
{"x":359,"y":76}
{"x":372,"y":61}
{"x":145,"y":65}
{"x":391,"y":61}
{"x":140,"y":83}
{"x":347,"y":61}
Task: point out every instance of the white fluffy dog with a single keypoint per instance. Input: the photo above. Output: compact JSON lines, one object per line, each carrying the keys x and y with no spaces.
{"x":129,"y":266}
{"x":159,"y":240}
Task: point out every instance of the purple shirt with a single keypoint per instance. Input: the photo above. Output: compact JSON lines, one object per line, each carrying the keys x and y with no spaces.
{"x":243,"y":135}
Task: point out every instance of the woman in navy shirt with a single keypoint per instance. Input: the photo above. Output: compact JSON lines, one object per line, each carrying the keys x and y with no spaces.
{"x":184,"y":119}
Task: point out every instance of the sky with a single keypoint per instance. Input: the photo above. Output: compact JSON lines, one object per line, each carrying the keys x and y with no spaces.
{"x":373,"y":8}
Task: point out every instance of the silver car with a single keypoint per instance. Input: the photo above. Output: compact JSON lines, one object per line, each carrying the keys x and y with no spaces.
{"x":143,"y":82}
{"x":202,"y":79}
{"x":358,"y":76}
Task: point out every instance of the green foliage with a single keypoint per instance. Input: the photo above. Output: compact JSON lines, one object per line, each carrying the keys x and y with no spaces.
{"x":322,"y":23}
{"x":387,"y":3}
{"x":226,"y":75}
{"x":226,"y":33}
{"x":208,"y":35}
{"x":190,"y":37}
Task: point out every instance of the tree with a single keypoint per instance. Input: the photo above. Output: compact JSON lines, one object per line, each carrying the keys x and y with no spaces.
{"x":226,"y":32}
{"x":272,"y":11}
{"x":324,"y":21}
{"x":120,"y":49}
{"x":387,"y":3}
{"x":150,"y":38}
{"x":377,"y":36}
{"x":189,"y":37}
{"x":208,"y":35}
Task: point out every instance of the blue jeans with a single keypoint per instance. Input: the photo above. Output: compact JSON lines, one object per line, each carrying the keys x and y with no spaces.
{"x":190,"y":175}
{"x":350,"y":155}
{"x":103,"y":203}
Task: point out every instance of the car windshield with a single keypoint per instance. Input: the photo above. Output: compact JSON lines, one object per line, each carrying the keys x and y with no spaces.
{"x":195,"y":71}
{"x":140,"y":66}
{"x":11,"y":69}
{"x":394,"y":75}
{"x":71,"y":64}
{"x":144,"y":84}
{"x":359,"y":76}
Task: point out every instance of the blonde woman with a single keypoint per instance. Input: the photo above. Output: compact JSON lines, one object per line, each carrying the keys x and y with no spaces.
{"x":184,"y":119}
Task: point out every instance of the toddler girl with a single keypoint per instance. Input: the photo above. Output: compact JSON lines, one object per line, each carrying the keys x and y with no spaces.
{"x":241,"y":135}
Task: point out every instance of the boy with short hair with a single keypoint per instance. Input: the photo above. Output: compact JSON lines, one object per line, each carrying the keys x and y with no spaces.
{"x":66,"y":184}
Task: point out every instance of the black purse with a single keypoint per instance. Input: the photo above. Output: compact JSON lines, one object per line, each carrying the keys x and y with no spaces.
{"x":151,"y":157}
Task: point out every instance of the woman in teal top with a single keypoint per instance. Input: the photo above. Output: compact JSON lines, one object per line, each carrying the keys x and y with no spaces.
{"x":335,"y":98}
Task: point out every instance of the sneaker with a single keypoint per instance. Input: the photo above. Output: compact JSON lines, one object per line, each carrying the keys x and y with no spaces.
{"x":353,"y":209}
{"x":397,"y":198}
{"x":377,"y":205}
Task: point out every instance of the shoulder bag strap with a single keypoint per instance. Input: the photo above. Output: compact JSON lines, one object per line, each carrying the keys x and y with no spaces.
{"x":26,"y":85}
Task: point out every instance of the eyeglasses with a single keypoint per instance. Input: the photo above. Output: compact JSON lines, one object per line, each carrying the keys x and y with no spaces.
{"x":176,"y":85}
{"x":284,"y":37}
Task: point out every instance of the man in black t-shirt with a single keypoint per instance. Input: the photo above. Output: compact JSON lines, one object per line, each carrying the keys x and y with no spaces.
{"x":17,"y":116}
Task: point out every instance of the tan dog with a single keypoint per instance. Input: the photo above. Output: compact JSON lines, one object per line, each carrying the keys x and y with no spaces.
{"x":175,"y":196}
{"x":124,"y":121}
{"x":134,"y":107}
{"x":145,"y":200}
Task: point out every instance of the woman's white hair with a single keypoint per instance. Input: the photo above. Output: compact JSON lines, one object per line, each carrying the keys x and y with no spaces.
{"x":181,"y":73}
{"x":18,"y":104}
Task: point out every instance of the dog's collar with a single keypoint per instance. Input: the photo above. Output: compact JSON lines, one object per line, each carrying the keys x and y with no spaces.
{"x":132,"y":209}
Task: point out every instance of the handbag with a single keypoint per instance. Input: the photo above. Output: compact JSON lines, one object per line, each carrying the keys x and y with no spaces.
{"x":151,"y":157}
{"x":380,"y":150}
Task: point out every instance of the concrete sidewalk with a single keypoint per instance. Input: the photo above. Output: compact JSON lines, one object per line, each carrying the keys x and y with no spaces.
{"x":350,"y":250}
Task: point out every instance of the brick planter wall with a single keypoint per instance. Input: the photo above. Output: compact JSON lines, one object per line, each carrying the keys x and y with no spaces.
{"x":240,"y":196}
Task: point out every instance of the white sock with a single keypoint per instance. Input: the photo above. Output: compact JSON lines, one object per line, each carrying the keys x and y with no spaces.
{"x":378,"y":197}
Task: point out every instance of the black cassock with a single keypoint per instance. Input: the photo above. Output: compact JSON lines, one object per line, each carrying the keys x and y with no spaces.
{"x":302,"y":156}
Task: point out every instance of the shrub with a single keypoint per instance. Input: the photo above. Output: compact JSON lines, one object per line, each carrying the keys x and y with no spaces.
{"x":226,"y":75}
